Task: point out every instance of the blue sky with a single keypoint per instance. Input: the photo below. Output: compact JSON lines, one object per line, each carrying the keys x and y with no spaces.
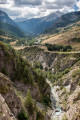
{"x":75,"y":7}
{"x":37,"y":8}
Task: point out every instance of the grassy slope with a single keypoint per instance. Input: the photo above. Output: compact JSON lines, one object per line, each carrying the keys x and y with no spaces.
{"x":11,"y":29}
{"x":64,"y":21}
{"x":65,"y":37}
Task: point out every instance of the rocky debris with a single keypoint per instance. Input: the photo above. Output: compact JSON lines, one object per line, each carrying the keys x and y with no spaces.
{"x":74,"y":112}
{"x":5,"y":113}
{"x":7,"y":91}
{"x":70,"y":99}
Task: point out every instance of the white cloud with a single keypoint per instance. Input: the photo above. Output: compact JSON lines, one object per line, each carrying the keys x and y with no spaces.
{"x":3,"y":1}
{"x":35,"y":8}
{"x":78,"y":4}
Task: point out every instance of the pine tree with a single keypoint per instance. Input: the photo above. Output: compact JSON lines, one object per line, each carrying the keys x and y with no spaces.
{"x":29,"y":103}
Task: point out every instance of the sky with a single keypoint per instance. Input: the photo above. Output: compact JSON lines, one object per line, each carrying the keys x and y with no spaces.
{"x":37,"y":8}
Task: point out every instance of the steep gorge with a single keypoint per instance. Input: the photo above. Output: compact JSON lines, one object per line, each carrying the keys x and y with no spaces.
{"x":60,"y":71}
{"x":63,"y":72}
{"x":18,"y":78}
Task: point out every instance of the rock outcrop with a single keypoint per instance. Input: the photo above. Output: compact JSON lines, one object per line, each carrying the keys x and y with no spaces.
{"x":5,"y":112}
{"x":7,"y":91}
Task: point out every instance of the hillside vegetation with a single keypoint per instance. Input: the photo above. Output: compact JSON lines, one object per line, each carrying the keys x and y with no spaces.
{"x":11,"y":30}
{"x":67,"y":36}
{"x":63,"y":71}
{"x":18,"y":80}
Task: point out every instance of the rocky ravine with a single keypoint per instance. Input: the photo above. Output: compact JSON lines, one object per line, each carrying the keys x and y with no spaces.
{"x":57,"y":113}
{"x":64,"y":74}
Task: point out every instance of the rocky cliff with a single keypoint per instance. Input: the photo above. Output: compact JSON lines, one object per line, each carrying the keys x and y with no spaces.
{"x":17,"y":77}
{"x":5,"y":112}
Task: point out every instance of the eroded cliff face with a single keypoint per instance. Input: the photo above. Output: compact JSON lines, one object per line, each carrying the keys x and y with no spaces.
{"x":50,"y":61}
{"x":63,"y":70}
{"x":68,"y":90}
{"x":5,"y":113}
{"x":16,"y":78}
{"x":7,"y":91}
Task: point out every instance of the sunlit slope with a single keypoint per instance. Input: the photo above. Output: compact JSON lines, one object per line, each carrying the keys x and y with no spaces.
{"x":70,"y":36}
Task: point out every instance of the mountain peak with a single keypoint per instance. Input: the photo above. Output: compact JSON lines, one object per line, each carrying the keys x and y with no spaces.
{"x":58,"y":13}
{"x":50,"y":17}
{"x":6,"y":19}
{"x":53,"y":16}
{"x":2,"y":14}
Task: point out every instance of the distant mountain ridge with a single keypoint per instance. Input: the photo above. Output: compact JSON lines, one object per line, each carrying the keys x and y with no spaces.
{"x":6,"y":19}
{"x":8,"y":25}
{"x":58,"y":13}
{"x":64,"y":21}
{"x":37,"y":26}
{"x":33,"y":27}
{"x":53,"y":16}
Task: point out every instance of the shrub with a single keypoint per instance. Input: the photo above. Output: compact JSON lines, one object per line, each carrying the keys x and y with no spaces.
{"x":22,"y":115}
{"x":65,"y":105}
{"x":46,"y":100}
{"x":58,"y":47}
{"x":61,"y":87}
{"x":77,"y":97}
{"x":4,"y":71}
{"x":4,"y":89}
{"x":75,"y":40}
{"x":64,"y":117}
{"x":66,"y":71}
{"x":79,"y":83}
{"x":76,"y":73}
{"x":29,"y":102}
{"x":23,"y":72}
{"x":37,"y":64}
{"x":40,"y":116}
{"x":60,"y":82}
